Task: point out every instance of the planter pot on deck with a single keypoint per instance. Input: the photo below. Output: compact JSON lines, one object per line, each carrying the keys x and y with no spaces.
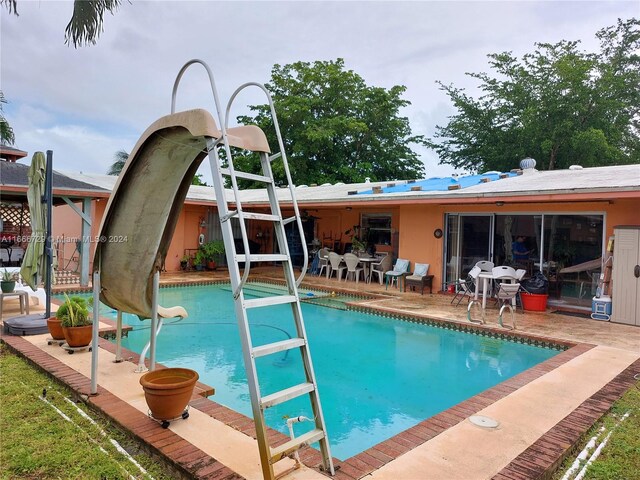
{"x":534,"y":302}
{"x":168,"y":391}
{"x":55,"y":328}
{"x":78,"y":336}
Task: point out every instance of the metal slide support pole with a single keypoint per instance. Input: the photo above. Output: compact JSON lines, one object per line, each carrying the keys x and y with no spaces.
{"x":96,"y":327}
{"x":119,"y":337}
{"x":154,"y":321}
{"x":48,"y":199}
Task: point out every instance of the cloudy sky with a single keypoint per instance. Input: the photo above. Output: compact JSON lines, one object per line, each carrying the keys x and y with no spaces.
{"x":87,"y":103}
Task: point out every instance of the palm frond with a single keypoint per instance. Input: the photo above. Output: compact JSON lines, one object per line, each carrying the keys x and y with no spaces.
{"x":12,"y":6}
{"x":116,"y":167}
{"x":85,"y":25}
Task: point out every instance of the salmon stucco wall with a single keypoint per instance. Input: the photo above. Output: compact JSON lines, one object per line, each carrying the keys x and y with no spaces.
{"x":417,"y":241}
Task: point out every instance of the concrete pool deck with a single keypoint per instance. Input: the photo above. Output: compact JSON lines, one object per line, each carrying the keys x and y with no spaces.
{"x":541,"y":411}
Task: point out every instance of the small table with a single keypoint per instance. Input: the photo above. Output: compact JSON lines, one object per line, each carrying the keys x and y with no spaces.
{"x":22,"y":295}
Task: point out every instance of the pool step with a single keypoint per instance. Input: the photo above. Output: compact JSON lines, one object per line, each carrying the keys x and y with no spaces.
{"x":280,"y":452}
{"x":286,"y":394}
{"x":276,"y":347}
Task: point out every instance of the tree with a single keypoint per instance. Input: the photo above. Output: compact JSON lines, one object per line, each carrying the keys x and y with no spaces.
{"x":85,"y":25}
{"x":6,"y":132}
{"x":558,"y":105}
{"x":335,"y":127}
{"x":121,"y":157}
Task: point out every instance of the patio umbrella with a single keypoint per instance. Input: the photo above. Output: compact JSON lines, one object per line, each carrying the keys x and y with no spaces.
{"x":34,"y":262}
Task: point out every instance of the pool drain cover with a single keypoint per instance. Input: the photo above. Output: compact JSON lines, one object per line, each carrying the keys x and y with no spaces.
{"x":484,"y":422}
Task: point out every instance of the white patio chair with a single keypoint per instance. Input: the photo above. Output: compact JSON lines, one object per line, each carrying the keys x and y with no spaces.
{"x":337,"y":266}
{"x":466,"y":287}
{"x":506,"y":294}
{"x":399,"y":269}
{"x":323,"y":261}
{"x":503,"y":275}
{"x":380,"y":267}
{"x":485,"y":265}
{"x":352,"y":262}
{"x":472,"y":284}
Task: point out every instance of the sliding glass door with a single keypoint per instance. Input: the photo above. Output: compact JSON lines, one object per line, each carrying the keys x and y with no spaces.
{"x":566,"y":247}
{"x":469,"y":240}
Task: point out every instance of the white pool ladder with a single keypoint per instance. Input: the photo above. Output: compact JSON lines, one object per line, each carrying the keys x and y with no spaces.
{"x":259,"y":402}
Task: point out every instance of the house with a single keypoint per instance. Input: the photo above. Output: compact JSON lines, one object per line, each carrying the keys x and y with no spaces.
{"x":564,"y":216}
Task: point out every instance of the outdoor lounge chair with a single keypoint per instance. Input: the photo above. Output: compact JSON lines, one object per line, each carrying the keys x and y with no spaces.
{"x":399,"y":269}
{"x":420,"y":278}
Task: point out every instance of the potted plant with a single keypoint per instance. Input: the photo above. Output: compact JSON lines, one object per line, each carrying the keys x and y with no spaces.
{"x":167,"y":392}
{"x":76,"y":321}
{"x":184,"y":262}
{"x":211,"y":251}
{"x":199,"y":260}
{"x":8,"y":283}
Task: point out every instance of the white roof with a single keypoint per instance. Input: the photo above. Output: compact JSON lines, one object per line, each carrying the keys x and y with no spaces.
{"x":532,"y":182}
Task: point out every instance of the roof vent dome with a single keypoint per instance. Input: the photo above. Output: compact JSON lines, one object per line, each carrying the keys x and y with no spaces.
{"x":527,"y":163}
{"x":576,"y":167}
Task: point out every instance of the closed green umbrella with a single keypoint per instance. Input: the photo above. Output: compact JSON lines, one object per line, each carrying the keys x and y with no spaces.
{"x":34,"y":262}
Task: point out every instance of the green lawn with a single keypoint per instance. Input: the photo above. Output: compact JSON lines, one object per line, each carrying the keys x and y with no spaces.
{"x":37,"y":442}
{"x":620,"y":458}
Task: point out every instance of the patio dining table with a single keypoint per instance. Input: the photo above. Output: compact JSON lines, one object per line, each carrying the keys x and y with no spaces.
{"x":366,"y":263}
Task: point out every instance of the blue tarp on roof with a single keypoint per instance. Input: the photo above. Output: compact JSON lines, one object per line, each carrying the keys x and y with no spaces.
{"x":436,"y":184}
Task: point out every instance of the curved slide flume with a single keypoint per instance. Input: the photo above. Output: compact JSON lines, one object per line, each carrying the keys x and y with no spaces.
{"x":143,"y":210}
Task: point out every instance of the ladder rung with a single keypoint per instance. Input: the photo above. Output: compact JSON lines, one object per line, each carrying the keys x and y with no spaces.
{"x":261,"y":216}
{"x":268,"y":301}
{"x":251,"y":216}
{"x":247,"y":176}
{"x":270,"y":257}
{"x":286,"y":394}
{"x":288,"y":220}
{"x":286,"y":449}
{"x":276,"y":347}
{"x":275,"y":156}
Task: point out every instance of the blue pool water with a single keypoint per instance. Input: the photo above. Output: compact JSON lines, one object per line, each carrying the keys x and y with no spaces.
{"x":377,"y":376}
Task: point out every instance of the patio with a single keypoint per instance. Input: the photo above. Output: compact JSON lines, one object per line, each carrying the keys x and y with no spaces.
{"x":542,"y":411}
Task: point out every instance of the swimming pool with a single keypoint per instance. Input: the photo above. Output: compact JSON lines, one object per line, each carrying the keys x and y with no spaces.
{"x":377,"y":376}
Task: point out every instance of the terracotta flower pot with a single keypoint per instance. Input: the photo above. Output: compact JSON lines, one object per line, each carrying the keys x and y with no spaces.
{"x":168,"y":391}
{"x":55,"y":328}
{"x":78,"y":336}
